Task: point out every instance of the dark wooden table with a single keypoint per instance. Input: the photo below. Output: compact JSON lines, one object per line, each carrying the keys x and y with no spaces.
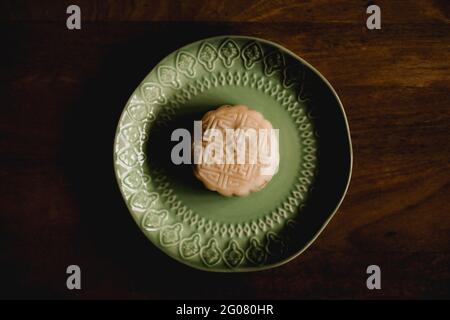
{"x":62,"y":94}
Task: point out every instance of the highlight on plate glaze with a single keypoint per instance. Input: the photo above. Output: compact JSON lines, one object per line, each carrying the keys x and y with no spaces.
{"x":184,"y":234}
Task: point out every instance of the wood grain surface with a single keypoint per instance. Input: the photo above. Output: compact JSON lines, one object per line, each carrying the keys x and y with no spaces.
{"x":62,"y":94}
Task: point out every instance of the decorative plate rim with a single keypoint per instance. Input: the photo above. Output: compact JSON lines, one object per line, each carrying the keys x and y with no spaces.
{"x":329,"y":216}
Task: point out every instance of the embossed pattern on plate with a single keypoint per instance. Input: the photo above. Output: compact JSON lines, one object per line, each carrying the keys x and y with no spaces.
{"x":190,"y":223}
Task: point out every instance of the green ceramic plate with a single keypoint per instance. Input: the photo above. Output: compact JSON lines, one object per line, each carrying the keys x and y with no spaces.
{"x":199,"y":227}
